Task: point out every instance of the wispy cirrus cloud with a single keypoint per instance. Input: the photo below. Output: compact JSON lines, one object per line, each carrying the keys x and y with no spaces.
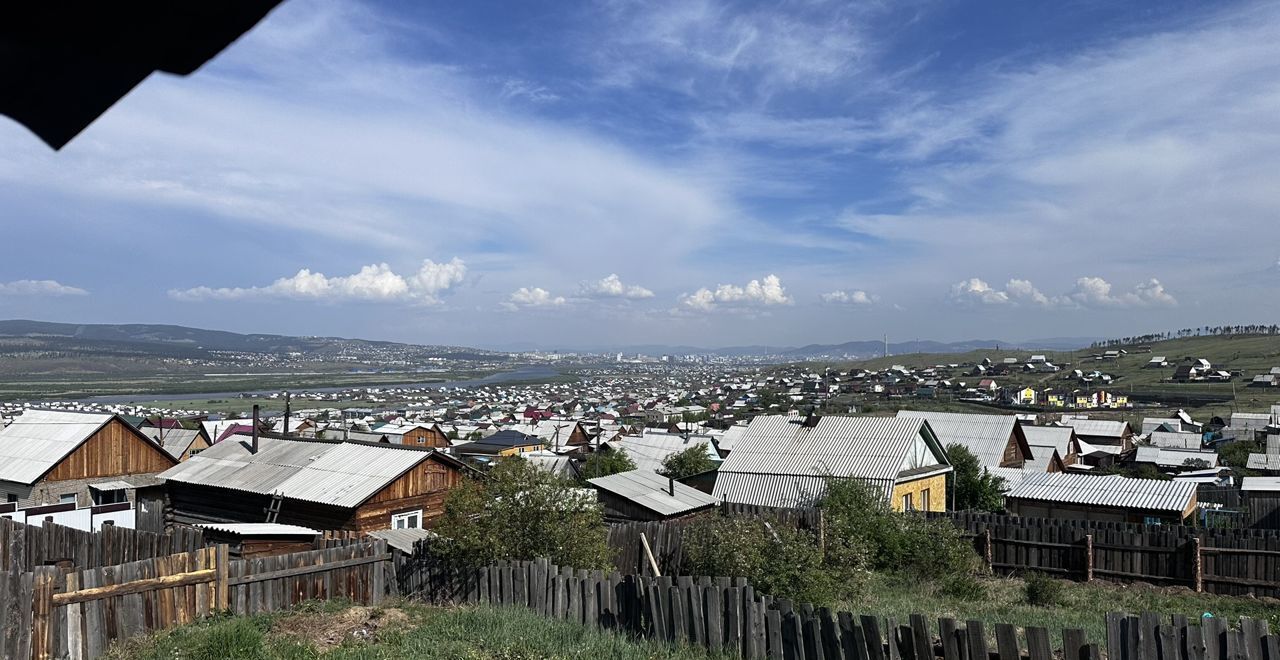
{"x":39,"y":288}
{"x":373,"y":283}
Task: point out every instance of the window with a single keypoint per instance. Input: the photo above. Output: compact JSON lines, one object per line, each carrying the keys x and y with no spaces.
{"x":67,"y":498}
{"x":906,"y":503}
{"x":111,"y":496}
{"x":924,"y":500}
{"x":407,"y":520}
{"x":11,"y":498}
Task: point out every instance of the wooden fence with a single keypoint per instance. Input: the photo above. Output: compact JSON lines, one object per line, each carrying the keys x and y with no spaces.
{"x":1232,"y":562}
{"x":54,"y":613}
{"x":725,"y":615}
{"x":27,"y":547}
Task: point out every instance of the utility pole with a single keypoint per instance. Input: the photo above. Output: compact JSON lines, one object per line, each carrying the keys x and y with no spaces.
{"x":286,"y":414}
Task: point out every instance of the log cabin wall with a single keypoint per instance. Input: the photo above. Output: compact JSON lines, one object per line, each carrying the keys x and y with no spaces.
{"x":422,"y":488}
{"x":114,"y":451}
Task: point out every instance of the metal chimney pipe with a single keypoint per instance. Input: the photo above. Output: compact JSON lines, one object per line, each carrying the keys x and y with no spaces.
{"x":255,"y":428}
{"x":671,"y":486}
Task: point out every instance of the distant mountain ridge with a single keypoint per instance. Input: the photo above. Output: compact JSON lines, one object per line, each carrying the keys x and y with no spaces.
{"x":166,"y":338}
{"x":859,"y":349}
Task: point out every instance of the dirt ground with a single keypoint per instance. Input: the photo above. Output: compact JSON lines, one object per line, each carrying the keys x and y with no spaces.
{"x":327,"y":631}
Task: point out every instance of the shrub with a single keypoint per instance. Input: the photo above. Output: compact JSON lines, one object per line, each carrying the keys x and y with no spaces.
{"x":688,"y":462}
{"x":776,"y":559}
{"x":520,"y":512}
{"x":964,"y":586}
{"x":603,"y":463}
{"x":1041,"y":590}
{"x":975,"y":488}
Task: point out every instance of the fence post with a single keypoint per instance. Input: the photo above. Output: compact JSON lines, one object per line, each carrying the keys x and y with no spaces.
{"x":222,"y":569}
{"x":988,"y":552}
{"x":41,"y":612}
{"x":1088,"y":557}
{"x":1197,"y":565}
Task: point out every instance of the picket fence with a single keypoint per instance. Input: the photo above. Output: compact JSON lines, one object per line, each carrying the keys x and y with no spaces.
{"x":55,"y":613}
{"x":726,"y":615}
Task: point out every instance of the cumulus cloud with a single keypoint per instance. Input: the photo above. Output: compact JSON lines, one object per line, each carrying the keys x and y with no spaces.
{"x":612,"y":287}
{"x":39,"y":288}
{"x":1092,"y":292}
{"x":375,"y":282}
{"x":768,"y":291}
{"x":852,"y":297}
{"x":532,"y":296}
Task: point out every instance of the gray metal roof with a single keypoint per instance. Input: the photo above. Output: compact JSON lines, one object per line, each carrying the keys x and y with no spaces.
{"x":1250,"y":421}
{"x":984,"y":435}
{"x":403,"y":539}
{"x":1096,"y":428}
{"x":1256,"y":484}
{"x":37,"y":440}
{"x":873,"y":449}
{"x":1111,"y":491}
{"x":649,"y":490}
{"x":342,"y":474}
{"x":1057,"y":437}
{"x":648,"y":451}
{"x":1175,"y":440}
{"x":1171,"y":457}
{"x":118,"y":484}
{"x":1263,"y":462}
{"x":176,"y":442}
{"x":260,"y":529}
{"x":731,"y":436}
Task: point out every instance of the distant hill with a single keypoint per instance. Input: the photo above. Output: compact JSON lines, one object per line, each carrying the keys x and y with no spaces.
{"x":175,"y":340}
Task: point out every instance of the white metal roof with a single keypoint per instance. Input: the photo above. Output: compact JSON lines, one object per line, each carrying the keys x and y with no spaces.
{"x":1099,"y":428}
{"x":1171,"y":457}
{"x":1174,"y":440}
{"x":1257,"y":484}
{"x":1263,"y":462}
{"x":648,"y":451}
{"x":37,"y":440}
{"x":984,"y":435}
{"x":650,"y":490}
{"x":1111,"y":491}
{"x":176,"y":441}
{"x":260,"y":529}
{"x":342,"y":474}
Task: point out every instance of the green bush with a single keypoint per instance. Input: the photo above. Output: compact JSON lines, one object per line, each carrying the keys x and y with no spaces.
{"x":688,"y":462}
{"x":604,"y":462}
{"x":859,"y":523}
{"x":1041,"y":590}
{"x":777,"y":559}
{"x":520,"y":512}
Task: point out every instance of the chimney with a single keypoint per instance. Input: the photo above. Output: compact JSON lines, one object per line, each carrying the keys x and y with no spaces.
{"x":286,"y":414}
{"x":811,"y":421}
{"x":671,"y":486}
{"x":254,"y":448}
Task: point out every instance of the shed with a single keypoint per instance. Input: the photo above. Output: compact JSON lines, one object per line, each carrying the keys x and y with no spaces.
{"x":1263,"y":496}
{"x":645,"y":495}
{"x":252,"y":540}
{"x":1105,"y":498}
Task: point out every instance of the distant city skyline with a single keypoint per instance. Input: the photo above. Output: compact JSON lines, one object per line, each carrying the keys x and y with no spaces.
{"x":695,"y":173}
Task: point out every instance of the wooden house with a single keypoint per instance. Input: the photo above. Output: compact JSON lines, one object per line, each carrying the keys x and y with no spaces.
{"x":997,"y":440}
{"x":178,"y":442}
{"x":55,"y":457}
{"x":502,"y":443}
{"x":318,"y":484}
{"x":416,"y":435}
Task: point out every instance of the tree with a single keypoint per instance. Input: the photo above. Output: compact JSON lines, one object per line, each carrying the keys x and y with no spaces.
{"x":688,"y":462}
{"x":975,"y":488}
{"x":605,"y":462}
{"x":519,"y":512}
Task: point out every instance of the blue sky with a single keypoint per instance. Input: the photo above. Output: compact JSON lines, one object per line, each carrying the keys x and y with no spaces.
{"x":692,"y":172}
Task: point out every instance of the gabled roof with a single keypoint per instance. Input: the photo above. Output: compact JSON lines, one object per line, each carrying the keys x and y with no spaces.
{"x":176,"y":442}
{"x":648,"y":451}
{"x":984,"y":435}
{"x":1057,"y":437}
{"x":780,"y":461}
{"x":1100,"y":428}
{"x":38,"y":440}
{"x":339,"y":474}
{"x":1112,"y":491}
{"x":650,"y":490}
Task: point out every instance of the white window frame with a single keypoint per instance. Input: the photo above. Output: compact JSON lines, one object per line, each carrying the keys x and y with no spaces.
{"x":908,"y":502}
{"x":62,"y":499}
{"x":406,"y":516}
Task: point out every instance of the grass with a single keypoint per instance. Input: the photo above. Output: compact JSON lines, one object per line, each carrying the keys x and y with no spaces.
{"x":407,"y":631}
{"x":1080,"y":605}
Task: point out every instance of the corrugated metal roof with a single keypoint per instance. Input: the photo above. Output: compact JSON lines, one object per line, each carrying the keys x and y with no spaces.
{"x":1056,"y":437}
{"x":403,"y":539}
{"x":1263,"y":462}
{"x":175,"y":441}
{"x":38,"y":439}
{"x":1112,"y":491}
{"x":651,"y":449}
{"x":1098,"y":428}
{"x":111,"y":485}
{"x":731,"y":437}
{"x":343,"y":474}
{"x":1174,"y":440}
{"x":779,"y":462}
{"x":984,"y":435}
{"x":260,"y":529}
{"x":1256,"y":484}
{"x":1169,"y":457}
{"x":649,"y":490}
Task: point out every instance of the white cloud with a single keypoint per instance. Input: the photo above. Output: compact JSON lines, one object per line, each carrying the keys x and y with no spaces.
{"x":612,"y":287}
{"x":39,"y":288}
{"x":527,"y":296}
{"x":768,"y":291}
{"x":851,"y":297}
{"x":376,"y":282}
{"x":1089,"y":292}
